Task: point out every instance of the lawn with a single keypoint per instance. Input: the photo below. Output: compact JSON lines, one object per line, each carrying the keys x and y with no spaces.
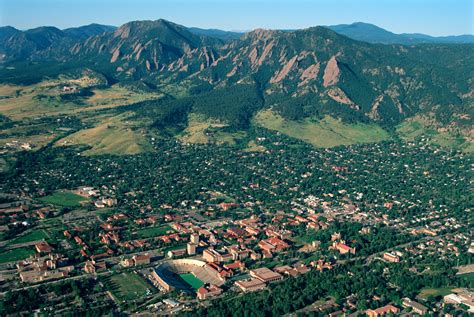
{"x":192,"y":280}
{"x":126,"y":286}
{"x":62,"y":198}
{"x":442,"y":291}
{"x":152,"y":232}
{"x":36,"y":235}
{"x":327,"y":132}
{"x":15,"y":255}
{"x":467,"y":276}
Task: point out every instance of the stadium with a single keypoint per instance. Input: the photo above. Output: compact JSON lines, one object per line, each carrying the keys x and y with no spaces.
{"x":186,"y":275}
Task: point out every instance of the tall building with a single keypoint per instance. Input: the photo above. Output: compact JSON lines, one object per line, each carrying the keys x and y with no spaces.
{"x":210,"y":255}
{"x":194,"y":238}
{"x":191,"y":248}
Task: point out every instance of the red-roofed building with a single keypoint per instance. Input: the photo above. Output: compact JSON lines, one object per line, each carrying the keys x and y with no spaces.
{"x":43,"y":247}
{"x":313,"y":225}
{"x":387,"y":309}
{"x":273,"y":244}
{"x":235,"y":265}
{"x":390,"y":257}
{"x":237,"y":232}
{"x":343,"y":248}
{"x":142,"y":259}
{"x":301,"y":219}
{"x":206,"y":292}
{"x":223,"y":273}
{"x":252,"y":230}
{"x":227,"y":206}
{"x":78,"y":240}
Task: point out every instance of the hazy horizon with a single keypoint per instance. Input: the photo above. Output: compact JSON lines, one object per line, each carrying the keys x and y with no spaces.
{"x":435,"y":17}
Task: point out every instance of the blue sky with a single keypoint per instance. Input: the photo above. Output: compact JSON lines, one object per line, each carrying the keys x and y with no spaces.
{"x":434,"y":17}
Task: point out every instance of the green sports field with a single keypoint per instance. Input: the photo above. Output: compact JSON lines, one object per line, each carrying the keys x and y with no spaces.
{"x":127,"y":286}
{"x":192,"y":280}
{"x":66,"y":199}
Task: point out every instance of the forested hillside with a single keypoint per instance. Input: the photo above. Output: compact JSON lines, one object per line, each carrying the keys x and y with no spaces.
{"x":310,"y":73}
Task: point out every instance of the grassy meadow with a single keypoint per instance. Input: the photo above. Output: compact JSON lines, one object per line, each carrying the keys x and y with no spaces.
{"x":112,"y":135}
{"x":328,"y":132}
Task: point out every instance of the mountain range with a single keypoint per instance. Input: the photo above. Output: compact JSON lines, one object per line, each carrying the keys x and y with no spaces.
{"x":373,"y":34}
{"x":302,"y":73}
{"x":16,"y":44}
{"x":362,"y":32}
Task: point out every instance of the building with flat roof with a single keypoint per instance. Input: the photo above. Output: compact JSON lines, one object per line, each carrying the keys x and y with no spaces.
{"x":390,"y":257}
{"x":211,"y":255}
{"x":266,"y":275}
{"x":250,"y":285}
{"x":41,"y":276}
{"x":464,"y":297}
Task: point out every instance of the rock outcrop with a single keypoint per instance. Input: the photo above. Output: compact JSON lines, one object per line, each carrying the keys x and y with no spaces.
{"x":331,"y":73}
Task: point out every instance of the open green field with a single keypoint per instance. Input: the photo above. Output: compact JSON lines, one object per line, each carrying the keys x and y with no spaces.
{"x":43,"y":99}
{"x":36,"y":235}
{"x":16,"y":255}
{"x":201,"y":130}
{"x":113,"y":135}
{"x":442,"y":291}
{"x":328,"y":132}
{"x":127,"y":286}
{"x":152,"y":231}
{"x":192,"y":280}
{"x":467,"y":276}
{"x":62,"y":198}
